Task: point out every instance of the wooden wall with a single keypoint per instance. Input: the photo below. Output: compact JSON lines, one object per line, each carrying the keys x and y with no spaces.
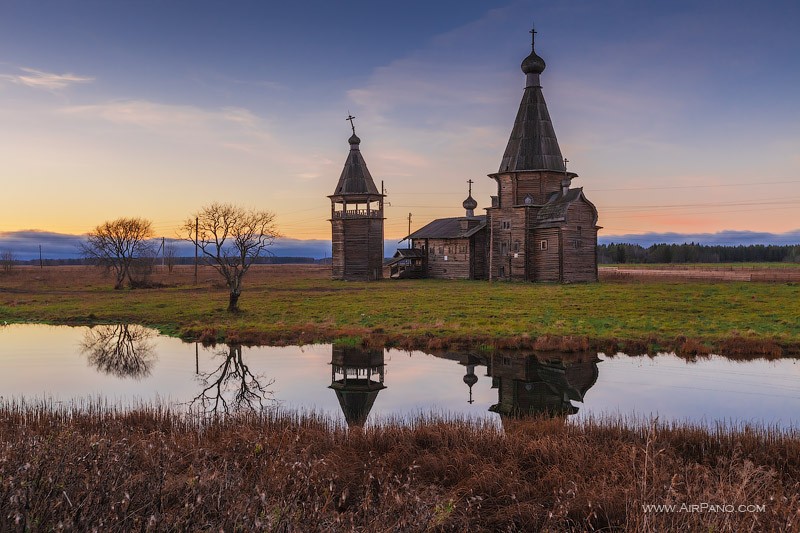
{"x":580,"y":246}
{"x":546,"y":263}
{"x":457,"y":262}
{"x":357,"y":248}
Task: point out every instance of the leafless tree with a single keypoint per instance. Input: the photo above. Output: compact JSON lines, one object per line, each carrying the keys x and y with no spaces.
{"x":122,"y":350}
{"x":122,"y":246}
{"x":7,"y":260}
{"x":231,"y":238}
{"x":170,"y":256}
{"x":232,"y":386}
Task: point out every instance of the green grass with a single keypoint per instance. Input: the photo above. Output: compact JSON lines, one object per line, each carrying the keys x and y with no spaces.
{"x":281,"y":306}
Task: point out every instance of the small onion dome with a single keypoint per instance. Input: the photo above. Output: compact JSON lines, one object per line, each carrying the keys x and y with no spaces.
{"x":533,"y":64}
{"x":470,"y":203}
{"x":470,"y":379}
{"x":354,"y":139}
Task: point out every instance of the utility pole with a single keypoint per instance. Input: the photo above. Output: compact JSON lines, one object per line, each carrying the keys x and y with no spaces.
{"x":41,"y":264}
{"x":409,"y":226}
{"x":196,"y":225}
{"x":163,"y":253}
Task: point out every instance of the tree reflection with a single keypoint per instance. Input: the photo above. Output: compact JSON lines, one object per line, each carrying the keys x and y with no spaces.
{"x":232,"y":386}
{"x":122,"y":350}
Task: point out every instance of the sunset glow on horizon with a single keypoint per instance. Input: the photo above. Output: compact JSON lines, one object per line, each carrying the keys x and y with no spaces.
{"x":678,"y":117}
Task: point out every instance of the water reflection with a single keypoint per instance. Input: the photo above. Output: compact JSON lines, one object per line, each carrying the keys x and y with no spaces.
{"x":232,"y":386}
{"x":357,"y":378}
{"x":122,"y":350}
{"x":546,"y":384}
{"x":128,"y":365}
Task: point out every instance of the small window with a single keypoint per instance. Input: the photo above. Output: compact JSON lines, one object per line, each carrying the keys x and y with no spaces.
{"x":462,"y":249}
{"x":576,"y":243}
{"x":579,"y":231}
{"x":501,"y":272}
{"x":503,"y":248}
{"x":441,"y":250}
{"x":516,"y":246}
{"x":543,"y":245}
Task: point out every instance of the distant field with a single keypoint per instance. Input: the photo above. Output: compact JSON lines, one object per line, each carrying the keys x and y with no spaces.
{"x":767,"y":272}
{"x":291,"y":304}
{"x":706,"y":266}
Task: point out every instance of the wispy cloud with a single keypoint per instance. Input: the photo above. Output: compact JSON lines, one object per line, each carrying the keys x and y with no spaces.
{"x":39,"y":79}
{"x":148,"y":114}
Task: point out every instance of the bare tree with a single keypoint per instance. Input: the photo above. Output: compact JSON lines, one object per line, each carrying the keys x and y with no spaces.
{"x":122,"y":350}
{"x":170,"y":256}
{"x":122,"y":245}
{"x":232,"y":386}
{"x":231,"y":239}
{"x":7,"y":260}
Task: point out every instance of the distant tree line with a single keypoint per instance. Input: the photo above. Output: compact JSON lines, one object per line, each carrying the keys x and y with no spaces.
{"x":278,"y":260}
{"x":696,"y":253}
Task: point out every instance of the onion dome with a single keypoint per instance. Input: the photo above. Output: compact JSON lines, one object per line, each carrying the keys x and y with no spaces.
{"x":470,"y":379}
{"x":533,"y":64}
{"x":354,"y":140}
{"x":470,"y":203}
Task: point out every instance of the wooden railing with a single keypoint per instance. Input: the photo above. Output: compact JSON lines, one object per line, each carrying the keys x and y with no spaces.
{"x":358,"y":213}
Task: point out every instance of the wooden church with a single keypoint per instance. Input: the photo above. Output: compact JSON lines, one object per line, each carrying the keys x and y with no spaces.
{"x":538,"y":228}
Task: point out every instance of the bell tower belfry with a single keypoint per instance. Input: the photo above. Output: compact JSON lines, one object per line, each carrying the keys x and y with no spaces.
{"x":356,"y":220}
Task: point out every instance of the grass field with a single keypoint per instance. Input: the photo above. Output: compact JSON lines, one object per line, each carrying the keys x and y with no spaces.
{"x":97,"y":469}
{"x":300,"y":304}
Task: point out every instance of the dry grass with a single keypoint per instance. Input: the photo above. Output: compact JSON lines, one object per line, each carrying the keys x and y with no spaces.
{"x":90,"y":467}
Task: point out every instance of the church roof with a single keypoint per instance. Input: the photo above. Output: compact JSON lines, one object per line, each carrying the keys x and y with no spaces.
{"x":448,"y":228}
{"x":532,"y":144}
{"x":556,"y":209}
{"x":355,"y":178}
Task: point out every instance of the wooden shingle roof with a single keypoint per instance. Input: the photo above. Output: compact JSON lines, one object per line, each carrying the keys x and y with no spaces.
{"x":355,"y":178}
{"x":448,"y":228}
{"x":532,"y":144}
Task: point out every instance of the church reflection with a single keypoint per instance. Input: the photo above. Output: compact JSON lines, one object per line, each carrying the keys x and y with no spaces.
{"x":122,"y":350}
{"x":545,"y":384}
{"x":356,"y":378}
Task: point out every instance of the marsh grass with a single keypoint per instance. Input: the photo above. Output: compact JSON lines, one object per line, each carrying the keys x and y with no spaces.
{"x":90,"y":466}
{"x":300,"y":304}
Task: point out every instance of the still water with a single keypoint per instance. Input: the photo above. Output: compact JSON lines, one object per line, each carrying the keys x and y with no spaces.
{"x":129,"y":365}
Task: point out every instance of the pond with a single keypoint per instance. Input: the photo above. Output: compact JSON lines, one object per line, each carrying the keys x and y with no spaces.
{"x":127,"y":365}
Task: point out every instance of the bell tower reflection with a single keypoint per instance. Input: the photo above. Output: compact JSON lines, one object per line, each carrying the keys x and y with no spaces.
{"x":541,"y":385}
{"x":357,"y":378}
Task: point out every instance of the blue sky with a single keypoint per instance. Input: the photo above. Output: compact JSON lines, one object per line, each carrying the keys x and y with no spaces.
{"x":678,"y":116}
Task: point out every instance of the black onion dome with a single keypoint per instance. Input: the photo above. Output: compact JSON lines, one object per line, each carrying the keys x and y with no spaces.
{"x":533,"y":64}
{"x":470,"y":379}
{"x":470,"y":203}
{"x":354,"y":139}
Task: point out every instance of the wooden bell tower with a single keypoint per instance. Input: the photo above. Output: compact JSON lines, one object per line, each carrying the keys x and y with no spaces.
{"x":356,"y":220}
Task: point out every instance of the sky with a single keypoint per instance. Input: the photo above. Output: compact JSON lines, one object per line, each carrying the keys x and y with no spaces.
{"x":679,"y":117}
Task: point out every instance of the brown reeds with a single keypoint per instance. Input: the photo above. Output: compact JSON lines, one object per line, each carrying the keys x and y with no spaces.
{"x":92,"y":466}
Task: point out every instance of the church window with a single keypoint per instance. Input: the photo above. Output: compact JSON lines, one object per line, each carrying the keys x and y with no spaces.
{"x":543,"y":245}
